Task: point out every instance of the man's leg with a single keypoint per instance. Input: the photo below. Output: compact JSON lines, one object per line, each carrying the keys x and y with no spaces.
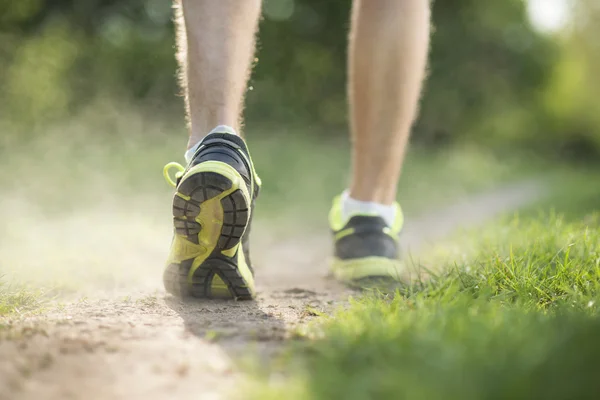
{"x":388,"y":52}
{"x":216,"y":48}
{"x":387,"y":57}
{"x":215,"y":193}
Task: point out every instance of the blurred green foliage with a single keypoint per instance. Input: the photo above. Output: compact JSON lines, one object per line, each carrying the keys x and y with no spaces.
{"x":493,"y":79}
{"x":571,"y":96}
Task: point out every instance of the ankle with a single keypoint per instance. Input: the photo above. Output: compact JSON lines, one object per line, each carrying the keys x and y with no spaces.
{"x":195,"y":142}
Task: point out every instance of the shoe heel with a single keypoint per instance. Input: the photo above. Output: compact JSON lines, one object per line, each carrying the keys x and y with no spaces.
{"x":211,"y":210}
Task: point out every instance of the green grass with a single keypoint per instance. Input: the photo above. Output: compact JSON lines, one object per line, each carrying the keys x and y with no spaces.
{"x":17,"y":300}
{"x":466,"y":349}
{"x":514,"y":315}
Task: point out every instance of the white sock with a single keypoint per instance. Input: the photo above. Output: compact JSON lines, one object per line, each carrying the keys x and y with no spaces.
{"x":221,"y":129}
{"x":351,"y":207}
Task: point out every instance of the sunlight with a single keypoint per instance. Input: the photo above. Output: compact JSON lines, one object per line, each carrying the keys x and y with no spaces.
{"x":549,"y":15}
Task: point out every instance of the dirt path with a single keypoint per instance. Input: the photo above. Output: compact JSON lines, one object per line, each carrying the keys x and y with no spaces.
{"x":119,"y":337}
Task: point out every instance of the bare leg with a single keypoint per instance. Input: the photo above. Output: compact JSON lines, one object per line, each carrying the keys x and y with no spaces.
{"x":216,"y":45}
{"x":388,"y":53}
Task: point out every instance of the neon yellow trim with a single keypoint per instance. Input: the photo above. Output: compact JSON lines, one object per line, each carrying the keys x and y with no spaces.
{"x":178,"y":174}
{"x":230,"y":252}
{"x":399,"y":222}
{"x":335,"y":215}
{"x":211,"y":211}
{"x":211,"y":220}
{"x":217,"y":281}
{"x":218,"y":288}
{"x":183,"y":196}
{"x":350,"y":270}
{"x":182,"y":249}
{"x":245,"y":272}
{"x":344,"y":233}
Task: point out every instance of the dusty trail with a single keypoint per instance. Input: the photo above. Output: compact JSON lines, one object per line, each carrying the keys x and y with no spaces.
{"x":117,"y":336}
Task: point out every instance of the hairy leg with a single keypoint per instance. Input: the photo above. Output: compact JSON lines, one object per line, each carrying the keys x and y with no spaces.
{"x":216,"y":41}
{"x":387,"y":59}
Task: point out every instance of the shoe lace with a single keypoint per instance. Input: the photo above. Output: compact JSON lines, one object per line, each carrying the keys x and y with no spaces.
{"x":178,"y":174}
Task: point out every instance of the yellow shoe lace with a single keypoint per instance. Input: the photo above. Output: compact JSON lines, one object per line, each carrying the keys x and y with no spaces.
{"x":178,"y":174}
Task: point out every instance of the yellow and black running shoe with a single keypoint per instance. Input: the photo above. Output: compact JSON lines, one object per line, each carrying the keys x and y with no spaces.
{"x":212,"y":212}
{"x":366,"y":249}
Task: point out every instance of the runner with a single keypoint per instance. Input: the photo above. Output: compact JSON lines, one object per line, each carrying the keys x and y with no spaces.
{"x":217,"y":190}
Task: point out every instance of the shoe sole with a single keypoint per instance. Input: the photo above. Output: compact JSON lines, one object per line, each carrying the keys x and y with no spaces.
{"x":351,"y":271}
{"x":211,"y":210}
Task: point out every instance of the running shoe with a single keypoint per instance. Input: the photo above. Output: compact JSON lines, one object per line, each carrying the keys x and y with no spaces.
{"x":212,"y":213}
{"x":366,"y":249}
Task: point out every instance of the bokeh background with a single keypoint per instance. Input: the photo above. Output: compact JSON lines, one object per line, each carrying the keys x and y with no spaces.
{"x":512,"y":73}
{"x":90,"y":112}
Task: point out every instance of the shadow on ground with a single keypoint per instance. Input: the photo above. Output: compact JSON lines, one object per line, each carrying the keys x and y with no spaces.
{"x":231,"y":324}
